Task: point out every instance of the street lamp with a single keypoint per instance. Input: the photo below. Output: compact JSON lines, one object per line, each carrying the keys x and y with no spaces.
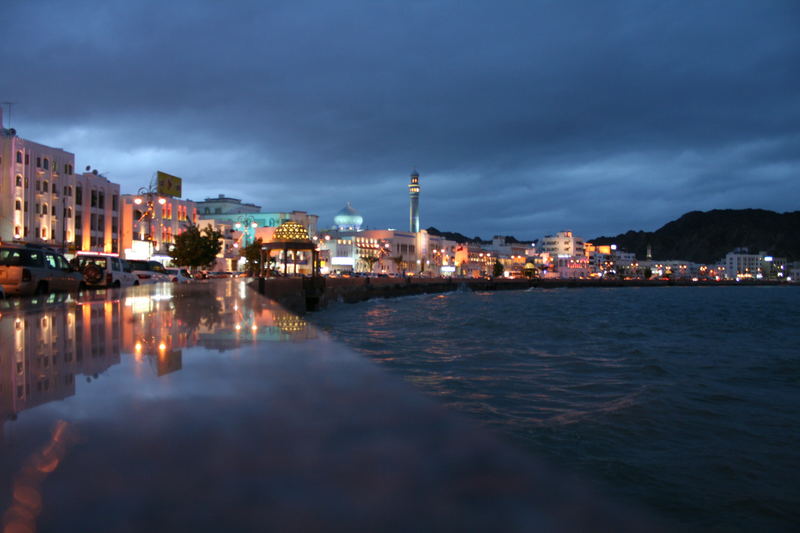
{"x":247,"y":226}
{"x":149,"y":197}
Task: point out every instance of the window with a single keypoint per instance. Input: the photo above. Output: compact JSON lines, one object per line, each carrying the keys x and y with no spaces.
{"x":94,"y":199}
{"x":46,"y":164}
{"x":44,"y":209}
{"x":53,"y":210}
{"x":38,"y":162}
{"x":19,"y":157}
{"x":114,"y":202}
{"x":69,"y":212}
{"x":17,"y":232}
{"x":25,"y":233}
{"x":19,"y":181}
{"x":114,"y":225}
{"x":101,"y":223}
{"x":44,"y":233}
{"x":78,"y":195}
{"x":65,"y":190}
{"x":18,"y":205}
{"x":55,"y":191}
{"x":66,"y":168}
{"x":49,"y":259}
{"x":93,"y":222}
{"x":38,"y":186}
{"x":78,"y":222}
{"x":25,"y":208}
{"x":26,"y":182}
{"x":45,"y":186}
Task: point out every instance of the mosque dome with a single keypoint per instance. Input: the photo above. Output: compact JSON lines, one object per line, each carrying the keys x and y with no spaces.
{"x":291,"y":231}
{"x":348,"y":218}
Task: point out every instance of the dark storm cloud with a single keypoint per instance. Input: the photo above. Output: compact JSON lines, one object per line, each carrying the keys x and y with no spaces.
{"x":523,"y":117}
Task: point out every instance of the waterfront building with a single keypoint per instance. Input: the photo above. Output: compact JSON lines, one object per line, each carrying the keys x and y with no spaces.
{"x":413,"y":193}
{"x":150,"y":223}
{"x":43,"y":201}
{"x":349,"y":248}
{"x":504,"y":246}
{"x":472,"y":261}
{"x":224,"y":205}
{"x":740,"y":264}
{"x":562,"y":244}
{"x":415,"y":253}
{"x":96,"y":215}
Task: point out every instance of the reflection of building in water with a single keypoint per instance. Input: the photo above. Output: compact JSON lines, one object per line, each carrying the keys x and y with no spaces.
{"x":44,"y":348}
{"x":153,"y":331}
{"x":43,"y":352}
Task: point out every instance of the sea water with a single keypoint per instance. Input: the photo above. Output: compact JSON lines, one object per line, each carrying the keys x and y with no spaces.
{"x":682,"y":400}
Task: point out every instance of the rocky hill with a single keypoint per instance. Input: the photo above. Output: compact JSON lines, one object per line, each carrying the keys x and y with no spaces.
{"x":705,"y":237}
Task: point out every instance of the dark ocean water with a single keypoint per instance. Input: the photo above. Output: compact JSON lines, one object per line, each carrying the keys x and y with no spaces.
{"x":684,"y":400}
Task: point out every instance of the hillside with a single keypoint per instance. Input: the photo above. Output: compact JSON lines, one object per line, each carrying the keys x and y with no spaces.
{"x":705,"y":237}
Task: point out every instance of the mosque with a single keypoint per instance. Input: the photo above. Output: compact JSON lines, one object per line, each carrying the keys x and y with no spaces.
{"x":348,"y":247}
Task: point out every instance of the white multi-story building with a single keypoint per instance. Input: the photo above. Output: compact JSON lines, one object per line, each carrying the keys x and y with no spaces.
{"x":43,"y":201}
{"x":562,"y":244}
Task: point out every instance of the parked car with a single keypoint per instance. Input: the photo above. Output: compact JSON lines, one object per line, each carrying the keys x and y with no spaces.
{"x":149,"y":271}
{"x":29,"y":269}
{"x":104,"y":270}
{"x":179,"y":275}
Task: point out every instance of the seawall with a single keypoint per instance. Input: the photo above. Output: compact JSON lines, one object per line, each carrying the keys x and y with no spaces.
{"x":309,"y":294}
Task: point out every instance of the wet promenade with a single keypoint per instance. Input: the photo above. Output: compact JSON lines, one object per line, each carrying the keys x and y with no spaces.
{"x":207,"y":407}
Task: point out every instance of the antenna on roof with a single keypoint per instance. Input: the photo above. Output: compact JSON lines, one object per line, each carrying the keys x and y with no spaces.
{"x":8,"y":105}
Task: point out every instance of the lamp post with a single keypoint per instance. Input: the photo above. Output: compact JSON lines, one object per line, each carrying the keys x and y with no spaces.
{"x":247,"y":226}
{"x":149,"y":197}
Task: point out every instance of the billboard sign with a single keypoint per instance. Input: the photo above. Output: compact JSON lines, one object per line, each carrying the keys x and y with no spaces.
{"x":168,"y":185}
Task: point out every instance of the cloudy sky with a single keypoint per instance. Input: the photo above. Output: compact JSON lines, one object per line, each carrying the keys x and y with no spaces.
{"x":522,"y":118}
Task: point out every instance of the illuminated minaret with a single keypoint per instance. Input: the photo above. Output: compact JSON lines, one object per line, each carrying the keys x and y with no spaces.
{"x":413,"y":193}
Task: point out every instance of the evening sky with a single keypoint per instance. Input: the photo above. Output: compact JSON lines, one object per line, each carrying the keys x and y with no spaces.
{"x":522,"y":118}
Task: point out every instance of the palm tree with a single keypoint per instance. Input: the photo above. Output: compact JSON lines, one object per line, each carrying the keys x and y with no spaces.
{"x":398,"y":261}
{"x":370,"y":260}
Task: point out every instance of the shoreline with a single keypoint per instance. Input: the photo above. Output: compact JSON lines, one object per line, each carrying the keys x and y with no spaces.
{"x":302,"y":295}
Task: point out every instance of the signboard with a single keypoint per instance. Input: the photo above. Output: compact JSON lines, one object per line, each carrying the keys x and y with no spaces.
{"x":168,"y":185}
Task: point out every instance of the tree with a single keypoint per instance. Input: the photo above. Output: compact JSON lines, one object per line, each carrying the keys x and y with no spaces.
{"x":194,"y":248}
{"x":398,"y":261}
{"x":252,"y":256}
{"x":370,"y":260}
{"x":498,"y":268}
